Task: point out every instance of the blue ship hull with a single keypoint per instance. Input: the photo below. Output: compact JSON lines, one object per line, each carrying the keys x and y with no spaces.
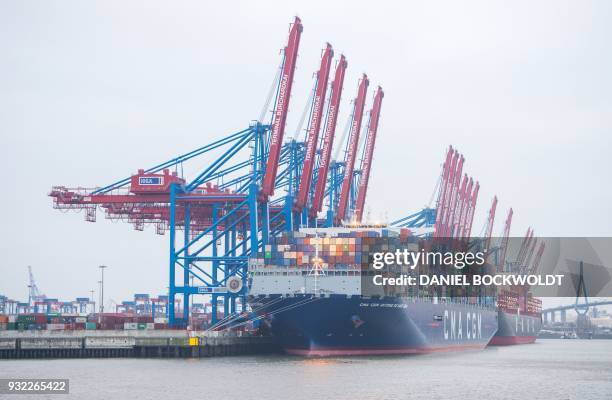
{"x":515,"y":328}
{"x":339,"y":325}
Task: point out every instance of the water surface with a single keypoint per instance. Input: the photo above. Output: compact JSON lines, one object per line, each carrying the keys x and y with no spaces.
{"x":548,"y":369}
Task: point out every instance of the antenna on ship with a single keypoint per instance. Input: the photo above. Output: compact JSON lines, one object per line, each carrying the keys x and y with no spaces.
{"x":317,"y":267}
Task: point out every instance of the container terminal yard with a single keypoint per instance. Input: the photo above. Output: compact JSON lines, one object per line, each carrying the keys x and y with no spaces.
{"x":253,"y":213}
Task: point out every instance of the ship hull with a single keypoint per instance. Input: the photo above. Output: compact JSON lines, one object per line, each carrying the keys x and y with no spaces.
{"x":351,"y":326}
{"x":516,"y":329}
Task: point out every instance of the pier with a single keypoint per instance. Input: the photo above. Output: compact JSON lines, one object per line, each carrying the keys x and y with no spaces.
{"x":114,"y":344}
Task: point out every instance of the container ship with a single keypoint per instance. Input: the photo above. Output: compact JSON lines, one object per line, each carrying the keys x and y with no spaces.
{"x":307,"y":289}
{"x":520,"y":318}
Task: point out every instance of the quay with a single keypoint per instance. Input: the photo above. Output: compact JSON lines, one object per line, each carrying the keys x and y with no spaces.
{"x":130,"y":344}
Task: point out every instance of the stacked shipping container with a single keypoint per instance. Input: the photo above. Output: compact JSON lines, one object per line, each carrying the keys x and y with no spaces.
{"x":344,"y":249}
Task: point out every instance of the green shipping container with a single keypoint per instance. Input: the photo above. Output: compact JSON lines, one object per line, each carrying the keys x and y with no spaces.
{"x":90,"y":326}
{"x":11,"y":326}
{"x":142,"y":326}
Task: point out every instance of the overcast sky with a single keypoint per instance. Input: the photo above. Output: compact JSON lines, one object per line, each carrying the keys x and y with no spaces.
{"x":92,"y":91}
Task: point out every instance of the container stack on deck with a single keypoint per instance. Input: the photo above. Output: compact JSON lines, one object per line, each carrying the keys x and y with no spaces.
{"x":353,"y":250}
{"x":513,"y":302}
{"x":342,"y":249}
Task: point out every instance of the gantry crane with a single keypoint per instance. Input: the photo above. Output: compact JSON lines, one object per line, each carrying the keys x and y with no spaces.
{"x":34,"y":293}
{"x":228,"y":211}
{"x":368,"y":154}
{"x":314,"y":126}
{"x":457,"y":198}
{"x":282,"y":108}
{"x":351,"y":151}
{"x":328,"y":140}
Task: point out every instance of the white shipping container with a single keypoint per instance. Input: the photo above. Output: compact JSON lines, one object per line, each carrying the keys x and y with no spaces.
{"x":130,"y":326}
{"x":56,"y":327}
{"x":51,"y":343}
{"x":160,"y":320}
{"x":80,"y":320}
{"x":413,"y":247}
{"x":12,"y":318}
{"x":150,"y":325}
{"x":8,"y":343}
{"x":109,"y":342}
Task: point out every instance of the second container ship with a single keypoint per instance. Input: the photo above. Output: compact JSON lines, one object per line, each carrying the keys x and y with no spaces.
{"x":519,"y":318}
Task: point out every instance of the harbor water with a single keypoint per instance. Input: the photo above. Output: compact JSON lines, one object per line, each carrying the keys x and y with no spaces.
{"x":548,"y":369}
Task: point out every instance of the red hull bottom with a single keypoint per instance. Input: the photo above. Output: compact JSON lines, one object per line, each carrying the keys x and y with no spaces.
{"x":511,"y":340}
{"x":335,"y":352}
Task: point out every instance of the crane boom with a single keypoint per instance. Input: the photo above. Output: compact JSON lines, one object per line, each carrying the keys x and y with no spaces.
{"x":524,"y":246}
{"x":328,"y":139}
{"x":369,"y":153}
{"x":470,"y":216}
{"x":314,"y":127}
{"x":538,"y":258}
{"x":504,"y":243}
{"x":490,"y":221}
{"x":352,"y":148}
{"x":530,"y":253}
{"x":282,"y":106}
{"x":465,"y":208}
{"x":462,"y":201}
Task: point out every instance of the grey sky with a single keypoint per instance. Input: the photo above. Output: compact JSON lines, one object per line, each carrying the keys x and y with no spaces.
{"x":92,"y":91}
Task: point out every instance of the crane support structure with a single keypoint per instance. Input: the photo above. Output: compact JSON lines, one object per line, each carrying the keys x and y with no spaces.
{"x":368,"y":153}
{"x":328,"y":138}
{"x":351,"y":149}
{"x":282,"y":108}
{"x":313,"y":128}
